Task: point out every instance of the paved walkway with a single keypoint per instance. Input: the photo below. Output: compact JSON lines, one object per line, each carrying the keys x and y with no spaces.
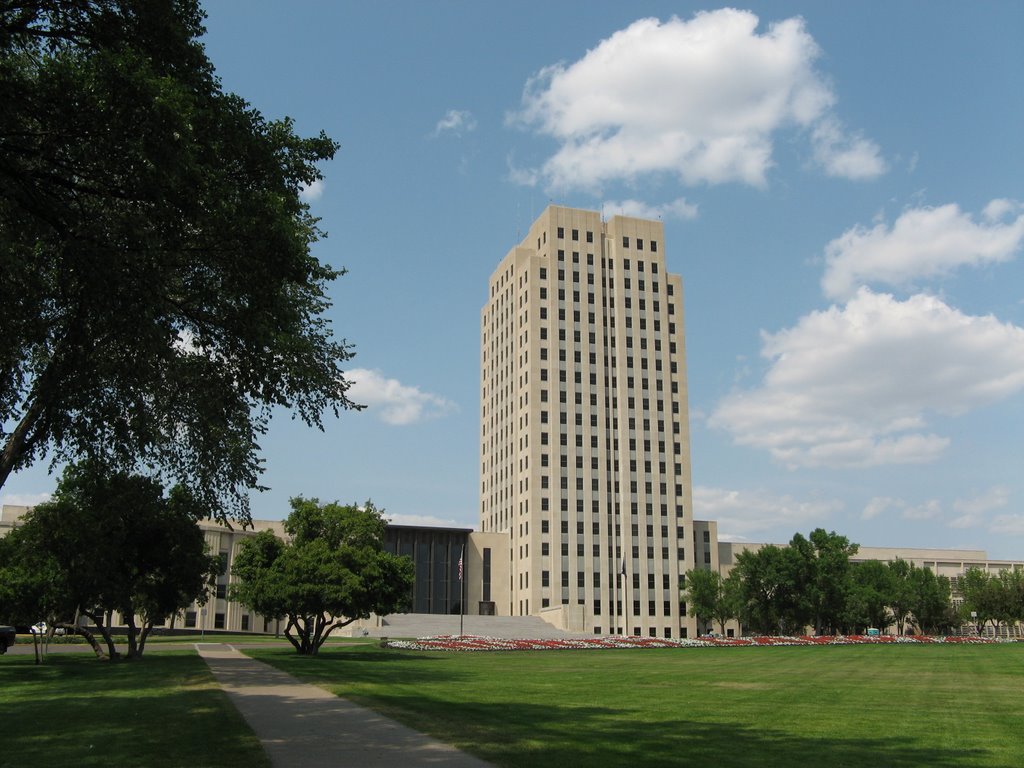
{"x":301,"y":725}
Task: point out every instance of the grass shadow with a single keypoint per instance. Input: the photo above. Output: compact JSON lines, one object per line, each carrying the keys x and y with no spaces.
{"x":164,"y":710}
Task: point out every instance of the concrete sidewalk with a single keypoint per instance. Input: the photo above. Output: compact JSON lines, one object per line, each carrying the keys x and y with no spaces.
{"x":301,"y":725}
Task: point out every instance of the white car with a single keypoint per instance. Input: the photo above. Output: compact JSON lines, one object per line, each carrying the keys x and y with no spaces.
{"x":40,"y":629}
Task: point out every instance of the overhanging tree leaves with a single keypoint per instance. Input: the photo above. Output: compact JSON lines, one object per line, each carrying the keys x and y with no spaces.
{"x":107,"y":542}
{"x":158,"y":291}
{"x":332,"y":571}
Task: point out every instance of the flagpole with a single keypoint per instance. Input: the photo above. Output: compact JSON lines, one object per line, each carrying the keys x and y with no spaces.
{"x":462,"y":591}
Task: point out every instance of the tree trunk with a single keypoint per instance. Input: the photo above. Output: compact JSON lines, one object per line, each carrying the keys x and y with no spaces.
{"x":147,"y":627}
{"x":131,"y":634}
{"x":98,"y":620}
{"x":288,"y":633}
{"x":90,"y":638}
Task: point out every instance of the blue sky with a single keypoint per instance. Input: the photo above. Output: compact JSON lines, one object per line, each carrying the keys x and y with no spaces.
{"x":841,"y":186}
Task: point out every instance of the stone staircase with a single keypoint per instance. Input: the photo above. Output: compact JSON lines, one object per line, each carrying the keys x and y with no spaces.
{"x":427,"y":625}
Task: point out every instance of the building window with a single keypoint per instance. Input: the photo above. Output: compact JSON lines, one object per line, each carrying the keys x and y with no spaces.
{"x":625,"y":244}
{"x":561,"y":233}
{"x":190,"y":619}
{"x":218,"y":621}
{"x":245,"y":622}
{"x":575,"y":234}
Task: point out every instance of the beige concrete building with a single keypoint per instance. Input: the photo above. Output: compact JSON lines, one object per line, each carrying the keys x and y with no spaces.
{"x":585,"y":488}
{"x":435,"y":553}
{"x":584,"y":439}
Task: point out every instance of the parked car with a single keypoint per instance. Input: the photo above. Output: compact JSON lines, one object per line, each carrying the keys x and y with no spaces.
{"x":7,"y":635}
{"x":40,"y":629}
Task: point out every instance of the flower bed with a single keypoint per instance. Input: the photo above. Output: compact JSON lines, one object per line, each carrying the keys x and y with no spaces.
{"x":477,"y":643}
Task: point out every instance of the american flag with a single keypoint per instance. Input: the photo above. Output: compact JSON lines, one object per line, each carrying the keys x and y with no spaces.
{"x":460,"y":566}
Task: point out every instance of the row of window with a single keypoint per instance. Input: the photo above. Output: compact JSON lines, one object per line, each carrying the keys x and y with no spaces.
{"x":575,"y":235}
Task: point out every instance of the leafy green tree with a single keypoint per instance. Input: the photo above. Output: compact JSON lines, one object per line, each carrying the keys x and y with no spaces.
{"x":770,"y":592}
{"x":828,"y":578}
{"x":158,"y":291}
{"x":711,"y":597}
{"x":930,"y":600}
{"x":988,"y":595}
{"x":1013,"y":583}
{"x":332,"y":571}
{"x":871,"y":595}
{"x":107,"y":542}
{"x":902,"y":598}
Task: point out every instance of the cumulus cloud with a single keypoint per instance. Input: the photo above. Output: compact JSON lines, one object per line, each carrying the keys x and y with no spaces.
{"x":852,"y":386}
{"x":699,"y":99}
{"x":741,"y":514}
{"x":455,"y":122}
{"x":312,"y":191}
{"x":973,"y":510}
{"x":845,"y":155}
{"x":879,"y":505}
{"x":922,"y":243}
{"x":929,"y":510}
{"x":395,"y":403}
{"x":1011,"y":525}
{"x":677,"y":209}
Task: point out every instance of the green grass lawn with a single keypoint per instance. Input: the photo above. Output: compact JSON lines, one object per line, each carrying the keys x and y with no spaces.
{"x":165,"y":710}
{"x":835,"y":706}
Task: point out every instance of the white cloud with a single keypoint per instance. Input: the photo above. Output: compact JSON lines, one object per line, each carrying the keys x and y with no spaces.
{"x":677,"y":209}
{"x":699,"y":99}
{"x":972,"y":511}
{"x":929,"y":510}
{"x":395,"y":403}
{"x":840,"y":154}
{"x":1012,"y":525}
{"x":877,"y":505}
{"x":312,"y":191}
{"x":851,"y":386}
{"x":742,"y":513}
{"x":922,"y":243}
{"x":996,"y":497}
{"x":455,"y":122}
{"x":24,"y":499}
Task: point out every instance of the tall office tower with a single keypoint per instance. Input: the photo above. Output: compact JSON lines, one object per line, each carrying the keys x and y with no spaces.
{"x":584,"y":441}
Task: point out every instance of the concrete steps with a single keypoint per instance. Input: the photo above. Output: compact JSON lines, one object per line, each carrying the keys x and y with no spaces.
{"x":426,"y":625}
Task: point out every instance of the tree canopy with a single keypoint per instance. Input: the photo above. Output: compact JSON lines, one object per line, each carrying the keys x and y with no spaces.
{"x":992,"y":598}
{"x":158,"y":290}
{"x":710,"y":597}
{"x":106,"y":542}
{"x":332,"y":571}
